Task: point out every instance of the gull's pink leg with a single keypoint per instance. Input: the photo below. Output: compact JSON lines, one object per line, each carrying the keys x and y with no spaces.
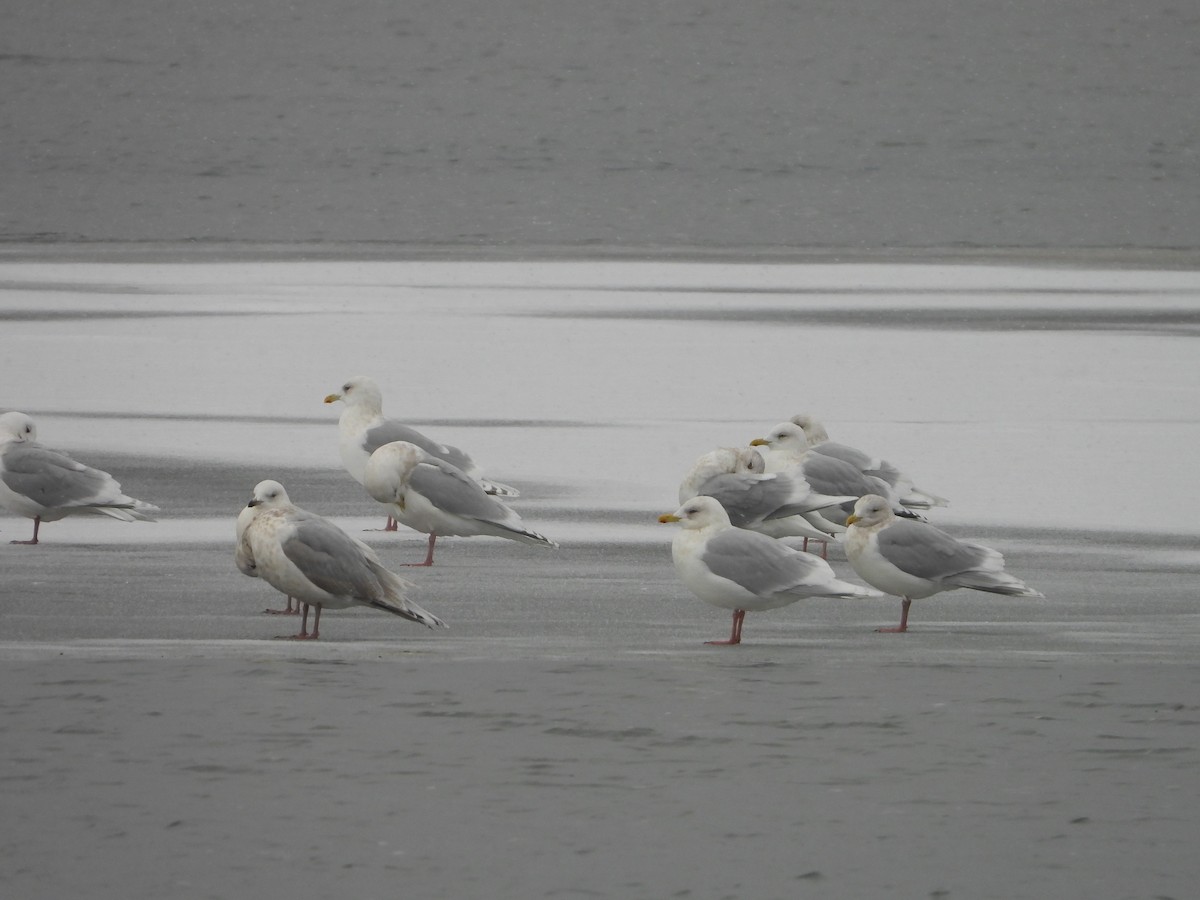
{"x":428,"y":555}
{"x":290,"y":611}
{"x":903,"y":626}
{"x":392,"y":525}
{"x":37,"y":523}
{"x":735,"y":634}
{"x":304,"y":635}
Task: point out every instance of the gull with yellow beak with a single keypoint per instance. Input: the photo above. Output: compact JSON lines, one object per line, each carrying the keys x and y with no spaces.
{"x":744,"y":571}
{"x":914,"y":560}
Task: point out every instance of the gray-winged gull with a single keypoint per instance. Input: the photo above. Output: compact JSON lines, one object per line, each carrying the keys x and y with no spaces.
{"x":907,"y":494}
{"x":914,"y":560}
{"x":771,"y":503}
{"x":785,"y":448}
{"x":308,"y":557}
{"x":438,"y":499}
{"x":46,"y":485}
{"x":743,"y":571}
{"x":363,"y":429}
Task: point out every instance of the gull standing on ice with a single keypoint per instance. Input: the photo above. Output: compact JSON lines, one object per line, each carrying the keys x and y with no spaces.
{"x":363,"y":430}
{"x":741,"y":570}
{"x":907,"y":494}
{"x":436,"y":498}
{"x":308,"y":557}
{"x":914,"y":560}
{"x":46,"y":485}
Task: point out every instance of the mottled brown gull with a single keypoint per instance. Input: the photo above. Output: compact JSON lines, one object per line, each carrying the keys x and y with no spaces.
{"x":308,"y":557}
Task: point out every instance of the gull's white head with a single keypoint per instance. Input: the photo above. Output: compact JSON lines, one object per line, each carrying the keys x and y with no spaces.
{"x":269,"y":495}
{"x":814,"y":431}
{"x":388,"y":469}
{"x":787,"y":437}
{"x":16,"y":428}
{"x":871,"y":509}
{"x":699,"y":512}
{"x":361,"y":390}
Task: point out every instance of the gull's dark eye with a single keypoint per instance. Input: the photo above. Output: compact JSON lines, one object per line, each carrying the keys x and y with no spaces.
{"x":347,"y":388}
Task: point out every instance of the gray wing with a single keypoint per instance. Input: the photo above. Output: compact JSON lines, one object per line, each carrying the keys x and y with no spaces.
{"x":864,"y":462}
{"x":927,"y":552}
{"x":758,"y":563}
{"x":452,"y":491}
{"x":829,"y":475}
{"x":749,"y":499}
{"x":330,"y":558}
{"x":389,"y":430}
{"x":852,"y":455}
{"x":55,"y":480}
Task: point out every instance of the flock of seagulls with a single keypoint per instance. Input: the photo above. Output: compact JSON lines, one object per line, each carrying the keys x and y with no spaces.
{"x":429,"y":487}
{"x":746,"y":517}
{"x":741,"y":506}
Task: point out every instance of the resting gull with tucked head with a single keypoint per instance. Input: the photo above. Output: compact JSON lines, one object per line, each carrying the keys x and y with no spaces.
{"x":741,"y":570}
{"x":769,"y":503}
{"x":363,"y":430}
{"x":906,"y":493}
{"x":46,"y":485}
{"x":436,"y":498}
{"x":914,"y":560}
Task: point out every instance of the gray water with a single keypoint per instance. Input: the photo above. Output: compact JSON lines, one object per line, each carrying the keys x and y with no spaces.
{"x":654,"y":127}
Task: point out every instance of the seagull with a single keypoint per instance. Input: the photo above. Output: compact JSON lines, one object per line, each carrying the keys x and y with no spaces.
{"x":786,"y":449}
{"x":46,"y":485}
{"x":436,"y":498}
{"x":306,"y":556}
{"x":364,"y":430}
{"x":915,"y":560}
{"x":769,"y":503}
{"x":907,"y":494}
{"x":741,"y":570}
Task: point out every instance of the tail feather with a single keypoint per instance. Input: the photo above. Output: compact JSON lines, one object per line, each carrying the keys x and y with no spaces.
{"x":497,"y":489}
{"x":846,"y":590}
{"x":409,"y":610}
{"x":525,"y":535}
{"x":994,"y":583}
{"x":395,"y":601}
{"x":130,"y":511}
{"x":915,"y":498}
